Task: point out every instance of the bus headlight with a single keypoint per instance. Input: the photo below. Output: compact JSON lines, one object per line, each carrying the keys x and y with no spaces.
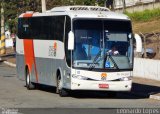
{"x":125,"y":79}
{"x":79,"y":77}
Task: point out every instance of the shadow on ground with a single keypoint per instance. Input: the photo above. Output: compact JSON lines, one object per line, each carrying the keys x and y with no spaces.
{"x":145,"y":90}
{"x":139,"y":91}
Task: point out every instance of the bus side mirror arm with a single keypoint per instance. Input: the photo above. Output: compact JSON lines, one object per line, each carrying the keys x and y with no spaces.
{"x":138,"y":43}
{"x":70,"y":40}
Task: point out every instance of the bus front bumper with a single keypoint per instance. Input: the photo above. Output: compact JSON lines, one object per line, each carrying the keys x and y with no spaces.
{"x":77,"y":84}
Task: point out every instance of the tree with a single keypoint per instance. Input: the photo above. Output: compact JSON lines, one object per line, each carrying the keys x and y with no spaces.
{"x":124,"y":5}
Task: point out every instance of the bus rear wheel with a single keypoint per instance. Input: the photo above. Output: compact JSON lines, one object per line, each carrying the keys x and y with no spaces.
{"x":61,"y":91}
{"x":29,"y":84}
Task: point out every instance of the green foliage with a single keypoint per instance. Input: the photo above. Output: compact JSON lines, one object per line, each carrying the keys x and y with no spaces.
{"x":101,"y":2}
{"x":144,"y":15}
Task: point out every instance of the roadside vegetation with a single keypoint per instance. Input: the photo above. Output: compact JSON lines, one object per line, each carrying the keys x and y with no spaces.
{"x":145,"y":15}
{"x":146,"y":21}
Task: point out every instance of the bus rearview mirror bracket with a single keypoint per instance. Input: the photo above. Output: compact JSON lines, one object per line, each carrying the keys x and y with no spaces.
{"x":138,"y":43}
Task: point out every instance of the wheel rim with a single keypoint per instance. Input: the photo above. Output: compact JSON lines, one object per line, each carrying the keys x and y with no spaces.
{"x":28,"y":80}
{"x":59,"y":84}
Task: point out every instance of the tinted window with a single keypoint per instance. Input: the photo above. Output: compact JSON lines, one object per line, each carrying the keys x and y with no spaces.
{"x":24,"y":28}
{"x":119,"y":25}
{"x":44,"y":28}
{"x":58,"y":25}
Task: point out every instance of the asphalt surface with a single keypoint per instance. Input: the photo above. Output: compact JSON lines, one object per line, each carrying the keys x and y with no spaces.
{"x":13,"y":94}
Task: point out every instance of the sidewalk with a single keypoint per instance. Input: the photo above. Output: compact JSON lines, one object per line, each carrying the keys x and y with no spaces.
{"x":141,"y":87}
{"x":9,"y":57}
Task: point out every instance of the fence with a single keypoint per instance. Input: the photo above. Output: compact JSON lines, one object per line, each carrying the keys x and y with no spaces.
{"x":151,"y":45}
{"x":136,"y":5}
{"x":147,"y":68}
{"x":119,"y":3}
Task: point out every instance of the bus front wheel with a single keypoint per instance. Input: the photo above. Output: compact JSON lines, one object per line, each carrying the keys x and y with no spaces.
{"x":61,"y":91}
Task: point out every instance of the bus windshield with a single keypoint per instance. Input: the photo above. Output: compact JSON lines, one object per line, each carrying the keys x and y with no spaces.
{"x":102,"y":44}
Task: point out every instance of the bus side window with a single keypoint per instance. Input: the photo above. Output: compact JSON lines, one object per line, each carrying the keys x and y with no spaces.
{"x":59,"y":27}
{"x":24,"y":28}
{"x":20,"y":28}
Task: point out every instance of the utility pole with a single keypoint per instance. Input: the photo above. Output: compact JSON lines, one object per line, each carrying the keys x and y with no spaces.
{"x":124,"y":5}
{"x":3,"y":50}
{"x":43,"y":5}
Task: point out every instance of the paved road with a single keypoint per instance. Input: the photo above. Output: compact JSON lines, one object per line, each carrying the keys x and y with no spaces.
{"x":13,"y":94}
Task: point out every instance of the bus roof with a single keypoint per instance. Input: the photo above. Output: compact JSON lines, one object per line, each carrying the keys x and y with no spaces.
{"x":82,"y":12}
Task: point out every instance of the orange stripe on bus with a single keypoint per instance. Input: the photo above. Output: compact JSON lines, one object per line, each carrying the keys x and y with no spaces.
{"x":29,"y":55}
{"x":29,"y":51}
{"x":28,"y":15}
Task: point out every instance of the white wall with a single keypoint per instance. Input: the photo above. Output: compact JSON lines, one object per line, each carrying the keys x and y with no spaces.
{"x":147,"y":68}
{"x":9,"y":42}
{"x":139,"y":8}
{"x":119,"y":4}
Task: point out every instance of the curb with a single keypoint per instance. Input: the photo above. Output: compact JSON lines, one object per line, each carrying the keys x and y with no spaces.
{"x":156,"y":97}
{"x":9,"y":63}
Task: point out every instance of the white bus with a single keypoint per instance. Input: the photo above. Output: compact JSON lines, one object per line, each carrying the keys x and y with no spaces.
{"x":75,"y":48}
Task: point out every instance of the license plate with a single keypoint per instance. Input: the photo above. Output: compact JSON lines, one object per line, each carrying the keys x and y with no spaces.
{"x":103,"y":86}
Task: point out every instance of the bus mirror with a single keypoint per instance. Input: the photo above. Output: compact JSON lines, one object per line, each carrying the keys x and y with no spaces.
{"x":70,"y":40}
{"x":138,"y":43}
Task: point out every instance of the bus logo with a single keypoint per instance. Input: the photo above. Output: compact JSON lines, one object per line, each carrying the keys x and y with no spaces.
{"x":55,"y":45}
{"x":55,"y":48}
{"x":104,"y":76}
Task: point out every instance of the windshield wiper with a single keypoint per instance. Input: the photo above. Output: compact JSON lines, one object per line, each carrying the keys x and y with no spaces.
{"x":94,"y":60}
{"x":93,"y":65}
{"x":108,"y":55}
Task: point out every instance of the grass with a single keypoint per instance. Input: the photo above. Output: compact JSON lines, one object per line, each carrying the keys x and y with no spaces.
{"x":145,"y":15}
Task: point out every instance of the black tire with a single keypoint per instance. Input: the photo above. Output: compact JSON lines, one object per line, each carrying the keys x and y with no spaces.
{"x":29,"y":84}
{"x":61,"y":91}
